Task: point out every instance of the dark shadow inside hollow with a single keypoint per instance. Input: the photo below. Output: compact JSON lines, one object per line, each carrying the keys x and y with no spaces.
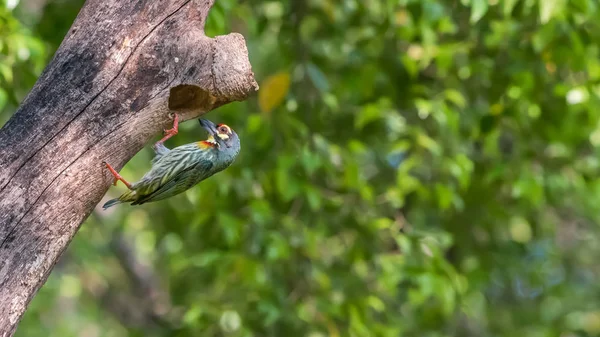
{"x":190,"y":97}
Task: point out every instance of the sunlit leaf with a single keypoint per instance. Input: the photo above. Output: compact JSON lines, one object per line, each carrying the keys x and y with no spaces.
{"x":478,"y":10}
{"x":455,"y":97}
{"x":6,"y":72}
{"x":273,"y":91}
{"x":508,"y":6}
{"x":520,"y":230}
{"x":549,"y":8}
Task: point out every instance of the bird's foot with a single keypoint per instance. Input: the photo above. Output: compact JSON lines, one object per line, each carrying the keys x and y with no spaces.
{"x":117,"y":176}
{"x":170,"y":132}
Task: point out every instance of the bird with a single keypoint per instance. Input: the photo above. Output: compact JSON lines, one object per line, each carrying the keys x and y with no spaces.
{"x":176,"y":170}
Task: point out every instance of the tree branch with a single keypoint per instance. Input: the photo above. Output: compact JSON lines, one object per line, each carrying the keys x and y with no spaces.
{"x":146,"y":285}
{"x":108,"y":90}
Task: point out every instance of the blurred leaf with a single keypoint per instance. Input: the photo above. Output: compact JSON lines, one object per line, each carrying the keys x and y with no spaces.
{"x":455,"y":97}
{"x":376,"y":303}
{"x":317,"y":77}
{"x":6,"y":73}
{"x":3,"y":98}
{"x":273,"y":91}
{"x":549,"y":8}
{"x":478,"y":10}
{"x":287,"y":186}
{"x":508,"y":7}
{"x":314,"y":198}
{"x":520,"y":230}
{"x":366,"y":115}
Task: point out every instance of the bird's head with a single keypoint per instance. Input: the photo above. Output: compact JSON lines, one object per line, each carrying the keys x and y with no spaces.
{"x":221,"y":134}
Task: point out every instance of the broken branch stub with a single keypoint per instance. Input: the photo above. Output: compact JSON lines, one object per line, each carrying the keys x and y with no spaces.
{"x":219,"y":78}
{"x":105,"y":94}
{"x":229,"y":79}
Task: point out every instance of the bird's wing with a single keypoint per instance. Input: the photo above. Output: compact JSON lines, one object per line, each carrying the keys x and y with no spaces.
{"x":172,"y":173}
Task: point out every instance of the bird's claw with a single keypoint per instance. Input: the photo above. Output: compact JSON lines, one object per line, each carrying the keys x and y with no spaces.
{"x":172,"y":131}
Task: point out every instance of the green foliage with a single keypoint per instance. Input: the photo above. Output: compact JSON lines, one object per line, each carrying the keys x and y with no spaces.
{"x":22,"y":58}
{"x":431,"y":170}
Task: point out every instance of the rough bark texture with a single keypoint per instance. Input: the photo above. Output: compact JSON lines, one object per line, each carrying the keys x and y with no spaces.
{"x":108,"y":90}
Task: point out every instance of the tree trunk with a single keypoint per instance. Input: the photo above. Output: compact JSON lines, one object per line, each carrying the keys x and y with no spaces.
{"x":108,"y":90}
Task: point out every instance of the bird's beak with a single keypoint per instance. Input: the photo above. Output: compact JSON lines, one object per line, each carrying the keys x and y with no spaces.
{"x":212,"y":130}
{"x":208,"y":126}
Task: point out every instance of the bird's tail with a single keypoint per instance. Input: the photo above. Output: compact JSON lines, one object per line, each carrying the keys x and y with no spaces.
{"x":112,"y":202}
{"x":125,"y":197}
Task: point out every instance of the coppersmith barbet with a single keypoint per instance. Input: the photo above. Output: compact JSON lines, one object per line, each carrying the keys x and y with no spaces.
{"x":177,"y":170}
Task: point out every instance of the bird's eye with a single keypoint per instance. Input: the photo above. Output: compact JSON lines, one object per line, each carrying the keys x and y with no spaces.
{"x":223,"y":129}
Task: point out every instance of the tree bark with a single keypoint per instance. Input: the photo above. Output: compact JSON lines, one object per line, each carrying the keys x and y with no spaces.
{"x":123,"y":66}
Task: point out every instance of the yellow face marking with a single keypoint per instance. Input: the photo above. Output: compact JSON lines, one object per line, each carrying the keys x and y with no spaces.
{"x":223,"y":131}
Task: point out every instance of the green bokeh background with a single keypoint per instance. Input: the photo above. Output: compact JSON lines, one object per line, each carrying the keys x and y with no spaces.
{"x":431,"y":170}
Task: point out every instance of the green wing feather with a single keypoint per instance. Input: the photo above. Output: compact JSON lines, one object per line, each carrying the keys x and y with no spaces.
{"x":182,"y":181}
{"x":172,"y":172}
